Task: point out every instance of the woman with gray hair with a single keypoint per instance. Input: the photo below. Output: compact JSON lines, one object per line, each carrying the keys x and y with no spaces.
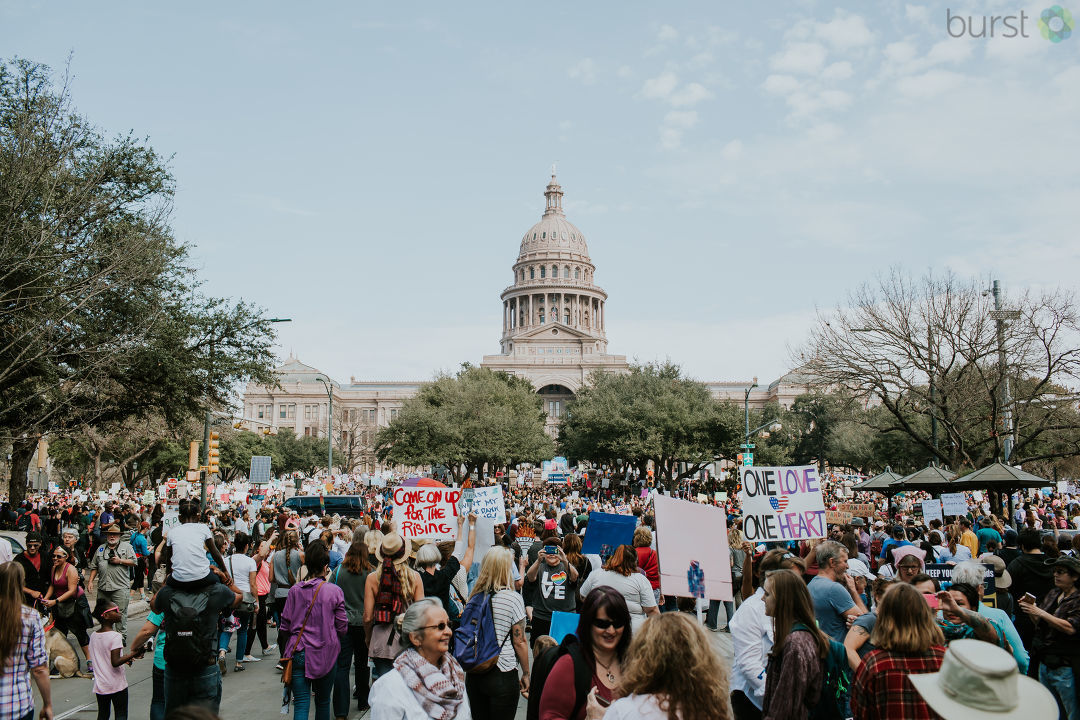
{"x":437,"y":579}
{"x":970,"y":572}
{"x":426,"y":681}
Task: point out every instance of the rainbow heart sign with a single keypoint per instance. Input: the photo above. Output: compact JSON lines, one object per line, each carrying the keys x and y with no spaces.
{"x":782,"y":503}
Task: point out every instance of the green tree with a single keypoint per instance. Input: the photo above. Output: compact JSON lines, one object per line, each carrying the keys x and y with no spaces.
{"x":476,"y":418}
{"x":651,"y":414}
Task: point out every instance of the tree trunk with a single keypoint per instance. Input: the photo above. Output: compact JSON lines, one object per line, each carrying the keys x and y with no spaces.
{"x":22,"y":452}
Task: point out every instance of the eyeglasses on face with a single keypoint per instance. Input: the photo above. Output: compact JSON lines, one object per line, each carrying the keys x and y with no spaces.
{"x":440,"y":627}
{"x":604,"y":624}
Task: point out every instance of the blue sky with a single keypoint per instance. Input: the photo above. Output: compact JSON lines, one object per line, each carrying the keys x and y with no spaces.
{"x":369,"y":169}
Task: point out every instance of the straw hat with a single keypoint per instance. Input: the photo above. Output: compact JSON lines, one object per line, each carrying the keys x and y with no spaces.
{"x":980,"y":680}
{"x":392,"y":545}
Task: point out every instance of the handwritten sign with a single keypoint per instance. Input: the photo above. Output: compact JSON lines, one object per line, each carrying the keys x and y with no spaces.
{"x":169,"y":520}
{"x":837,"y":517}
{"x":426,"y":512}
{"x":942,"y":572}
{"x":931,"y":510}
{"x":857,"y":509}
{"x":488,"y":502}
{"x":953,"y":504}
{"x":782,"y":503}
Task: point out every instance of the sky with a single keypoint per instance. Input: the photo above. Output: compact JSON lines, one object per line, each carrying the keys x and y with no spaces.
{"x":368,"y":169}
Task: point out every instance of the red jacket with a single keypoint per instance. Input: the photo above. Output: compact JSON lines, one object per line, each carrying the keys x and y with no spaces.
{"x":646,"y":560}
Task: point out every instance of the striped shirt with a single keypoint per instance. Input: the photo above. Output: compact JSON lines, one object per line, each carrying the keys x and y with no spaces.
{"x":508,"y":608}
{"x":16,"y":695}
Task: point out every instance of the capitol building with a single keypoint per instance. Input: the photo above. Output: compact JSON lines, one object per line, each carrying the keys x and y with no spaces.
{"x":553,"y":334}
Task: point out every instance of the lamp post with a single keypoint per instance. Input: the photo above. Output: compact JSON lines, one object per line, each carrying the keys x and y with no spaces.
{"x":746,"y":446}
{"x":329,"y":429}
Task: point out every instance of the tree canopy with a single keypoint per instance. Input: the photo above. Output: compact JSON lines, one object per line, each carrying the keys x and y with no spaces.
{"x":475,"y":418}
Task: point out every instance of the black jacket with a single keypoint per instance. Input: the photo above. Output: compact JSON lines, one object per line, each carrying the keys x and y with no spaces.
{"x":36,"y":579}
{"x":1030,"y":574}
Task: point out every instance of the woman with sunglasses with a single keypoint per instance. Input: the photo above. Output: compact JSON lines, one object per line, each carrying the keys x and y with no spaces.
{"x":425,"y":681}
{"x":603,"y":636}
{"x":70,"y":609}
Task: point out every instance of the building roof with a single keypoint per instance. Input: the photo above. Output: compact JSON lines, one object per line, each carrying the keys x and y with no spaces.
{"x":292,"y":371}
{"x":554,"y":233}
{"x":1003,"y":476}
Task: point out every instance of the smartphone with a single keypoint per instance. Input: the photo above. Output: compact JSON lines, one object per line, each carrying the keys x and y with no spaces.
{"x":603,"y":702}
{"x":551,"y":550}
{"x":1027,"y":598}
{"x":931,"y":600}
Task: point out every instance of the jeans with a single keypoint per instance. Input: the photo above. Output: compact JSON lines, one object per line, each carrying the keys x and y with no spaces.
{"x":241,"y":636}
{"x":712,"y":617}
{"x":202,"y":687}
{"x":381,"y":667}
{"x":743,"y":708}
{"x":119,"y":702}
{"x":1062,"y":682}
{"x":493,"y":695}
{"x":302,"y":689}
{"x":157,"y":700}
{"x":279,"y":607}
{"x":259,"y":627}
{"x":353,"y":652}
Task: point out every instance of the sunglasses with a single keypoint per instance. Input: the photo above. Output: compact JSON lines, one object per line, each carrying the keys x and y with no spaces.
{"x":604,"y":624}
{"x":59,"y":556}
{"x":440,"y":627}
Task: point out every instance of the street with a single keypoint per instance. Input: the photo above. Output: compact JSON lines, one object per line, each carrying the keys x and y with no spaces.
{"x":257,"y":689}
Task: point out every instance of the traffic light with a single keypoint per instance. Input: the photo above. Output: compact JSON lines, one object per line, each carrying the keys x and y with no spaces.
{"x":212,"y":455}
{"x":193,"y":455}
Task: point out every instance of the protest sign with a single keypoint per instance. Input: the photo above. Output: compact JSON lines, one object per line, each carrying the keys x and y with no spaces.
{"x":702,"y":498}
{"x":691,"y":542}
{"x":605,"y":483}
{"x":54,"y":489}
{"x":488,"y":503}
{"x":857,"y":509}
{"x":606,"y":532}
{"x":977,"y":495}
{"x":114,"y":488}
{"x":782,"y":503}
{"x":837,"y":517}
{"x":622,"y":509}
{"x":563,"y":624}
{"x":931,"y":510}
{"x":721,"y":497}
{"x":426,"y":512}
{"x":169,"y":520}
{"x":953,"y":504}
{"x":942,"y":572}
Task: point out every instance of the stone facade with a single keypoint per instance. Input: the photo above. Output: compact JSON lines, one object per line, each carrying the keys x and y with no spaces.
{"x":553,"y":334}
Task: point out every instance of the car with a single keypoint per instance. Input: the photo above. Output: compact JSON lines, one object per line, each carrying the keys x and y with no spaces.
{"x":345,"y":505}
{"x":16,"y":539}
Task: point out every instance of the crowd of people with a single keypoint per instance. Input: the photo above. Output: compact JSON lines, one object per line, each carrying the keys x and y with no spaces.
{"x":863,"y":623}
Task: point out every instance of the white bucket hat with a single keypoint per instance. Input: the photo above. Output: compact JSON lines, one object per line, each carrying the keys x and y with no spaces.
{"x":980,"y":680}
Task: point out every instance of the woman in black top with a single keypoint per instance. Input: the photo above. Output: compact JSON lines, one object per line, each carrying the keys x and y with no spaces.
{"x":437,"y":579}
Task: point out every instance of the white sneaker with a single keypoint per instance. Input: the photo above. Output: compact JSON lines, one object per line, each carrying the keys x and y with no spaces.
{"x":270,"y":649}
{"x":251,"y":658}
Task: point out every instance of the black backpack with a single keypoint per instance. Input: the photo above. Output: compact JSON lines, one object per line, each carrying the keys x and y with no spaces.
{"x":542,"y":668}
{"x":835,"y":682}
{"x":189,"y":641}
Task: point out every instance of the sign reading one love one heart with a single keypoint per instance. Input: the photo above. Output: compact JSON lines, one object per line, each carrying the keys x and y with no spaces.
{"x":782,"y":503}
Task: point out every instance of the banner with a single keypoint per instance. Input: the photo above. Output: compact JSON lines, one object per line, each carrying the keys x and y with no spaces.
{"x":782,"y":503}
{"x":837,"y":517}
{"x":606,"y":532}
{"x":931,"y":510}
{"x":488,"y":502}
{"x":953,"y":504}
{"x":426,"y":512}
{"x":691,"y":541}
{"x":863,"y":510}
{"x":942,"y":572}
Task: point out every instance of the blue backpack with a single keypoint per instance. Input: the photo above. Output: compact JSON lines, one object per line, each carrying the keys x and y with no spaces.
{"x":476,"y":646}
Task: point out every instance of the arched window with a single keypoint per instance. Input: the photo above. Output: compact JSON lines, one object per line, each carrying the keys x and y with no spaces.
{"x":532,"y":273}
{"x":541,"y":316}
{"x":543,"y":271}
{"x":554,"y":271}
{"x":543,"y":236}
{"x":523,"y":273}
{"x":566,"y":316}
{"x":566,"y":272}
{"x":577,"y":273}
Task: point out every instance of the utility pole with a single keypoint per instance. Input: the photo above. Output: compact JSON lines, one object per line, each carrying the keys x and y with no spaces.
{"x":1000,"y":316}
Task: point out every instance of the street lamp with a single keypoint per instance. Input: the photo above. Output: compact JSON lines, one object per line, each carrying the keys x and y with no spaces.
{"x":746,"y":446}
{"x":329,"y":429}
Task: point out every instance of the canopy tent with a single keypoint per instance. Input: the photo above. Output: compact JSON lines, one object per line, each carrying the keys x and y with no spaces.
{"x":879,"y":483}
{"x":1000,"y":476}
{"x":929,"y":478}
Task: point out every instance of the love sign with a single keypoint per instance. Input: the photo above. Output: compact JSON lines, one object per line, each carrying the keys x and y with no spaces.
{"x":782,"y":503}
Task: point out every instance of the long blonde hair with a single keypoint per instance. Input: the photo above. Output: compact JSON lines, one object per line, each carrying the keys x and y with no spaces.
{"x":668,"y":657}
{"x":11,"y":598}
{"x":495,"y":573}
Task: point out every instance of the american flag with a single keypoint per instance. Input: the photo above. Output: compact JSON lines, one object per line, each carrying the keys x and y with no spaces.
{"x":779,"y":504}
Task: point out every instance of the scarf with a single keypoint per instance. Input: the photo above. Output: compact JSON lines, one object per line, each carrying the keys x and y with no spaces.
{"x":388,"y":601}
{"x":440,"y":690}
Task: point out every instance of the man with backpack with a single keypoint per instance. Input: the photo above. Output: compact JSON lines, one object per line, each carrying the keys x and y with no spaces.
{"x":192,"y":676}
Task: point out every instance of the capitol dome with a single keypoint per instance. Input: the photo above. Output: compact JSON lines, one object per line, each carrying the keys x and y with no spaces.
{"x":554,"y":234}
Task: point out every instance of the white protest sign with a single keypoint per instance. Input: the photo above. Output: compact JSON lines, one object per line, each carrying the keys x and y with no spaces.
{"x":977,"y":495}
{"x":605,"y":483}
{"x":169,"y":520}
{"x":114,"y":488}
{"x":782,"y":503}
{"x":488,"y":502}
{"x":426,"y":512}
{"x":953,"y":504}
{"x":692,"y":545}
{"x":931,"y":510}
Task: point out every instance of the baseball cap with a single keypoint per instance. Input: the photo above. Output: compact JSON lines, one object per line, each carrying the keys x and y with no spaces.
{"x":857,"y":568}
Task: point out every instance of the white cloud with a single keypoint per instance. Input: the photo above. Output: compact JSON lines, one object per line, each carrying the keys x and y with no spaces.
{"x":660,"y":86}
{"x":667,"y":34}
{"x":701,"y":60}
{"x":838,"y":71}
{"x":800,"y":57}
{"x":681,"y":118}
{"x":929,"y":84}
{"x":732,"y":150}
{"x":689,"y":95}
{"x":780,"y":84}
{"x":625,"y":72}
{"x":917,"y":13}
{"x":670,"y":138}
{"x":845,"y":32}
{"x":584,"y":71}
{"x":900,"y":52}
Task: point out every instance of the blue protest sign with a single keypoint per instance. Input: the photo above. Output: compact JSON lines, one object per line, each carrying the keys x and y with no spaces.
{"x":606,"y":532}
{"x":563,"y":624}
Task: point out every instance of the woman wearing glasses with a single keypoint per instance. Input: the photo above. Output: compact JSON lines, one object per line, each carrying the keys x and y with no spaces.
{"x":67,"y":600}
{"x":426,"y":681}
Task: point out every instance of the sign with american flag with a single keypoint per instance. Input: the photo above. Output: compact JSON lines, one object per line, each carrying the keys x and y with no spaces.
{"x":782,"y":503}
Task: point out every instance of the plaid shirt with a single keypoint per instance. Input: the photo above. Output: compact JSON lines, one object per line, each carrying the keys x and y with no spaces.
{"x":16,"y":695}
{"x":882,"y":689}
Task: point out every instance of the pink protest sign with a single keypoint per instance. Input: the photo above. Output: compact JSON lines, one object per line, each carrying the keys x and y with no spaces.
{"x":426,"y":512}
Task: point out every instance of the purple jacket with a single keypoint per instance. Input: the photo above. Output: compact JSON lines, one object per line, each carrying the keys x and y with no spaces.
{"x":327,"y":620}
